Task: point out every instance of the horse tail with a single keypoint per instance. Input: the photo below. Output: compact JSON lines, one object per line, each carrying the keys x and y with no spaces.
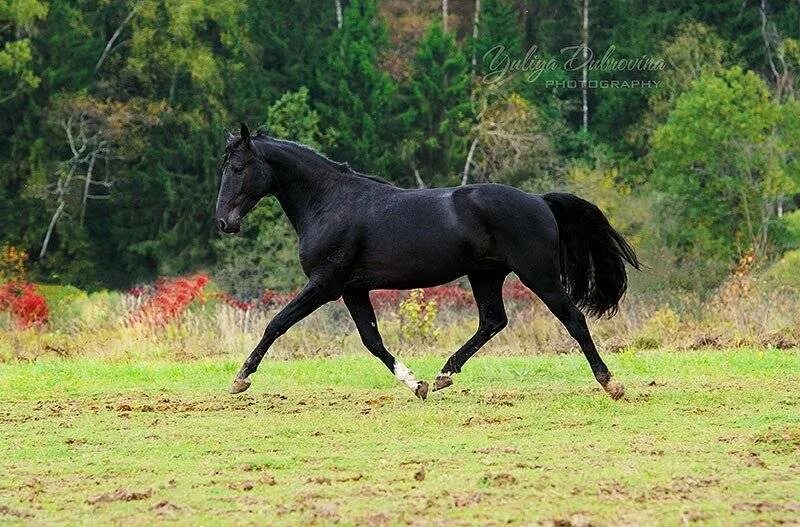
{"x":593,"y":254}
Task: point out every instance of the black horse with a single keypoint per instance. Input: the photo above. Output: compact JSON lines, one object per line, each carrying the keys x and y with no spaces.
{"x":358,"y":233}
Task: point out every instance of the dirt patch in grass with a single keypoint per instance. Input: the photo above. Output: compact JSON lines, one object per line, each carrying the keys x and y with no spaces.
{"x":780,"y":441}
{"x":489,"y":420}
{"x":761,"y":507}
{"x":503,"y":398}
{"x":465,"y":500}
{"x":681,"y":488}
{"x":166,"y":508}
{"x":502,"y":479}
{"x":120,"y":495}
{"x":16,"y":513}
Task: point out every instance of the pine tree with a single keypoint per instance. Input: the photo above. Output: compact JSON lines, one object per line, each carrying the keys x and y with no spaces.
{"x":438,"y":108}
{"x":498,"y":26}
{"x":291,"y":117}
{"x":355,"y":97}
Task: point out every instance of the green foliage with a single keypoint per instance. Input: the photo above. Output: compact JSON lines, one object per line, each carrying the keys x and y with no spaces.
{"x":418,"y":317}
{"x":17,"y":18}
{"x":721,"y":163}
{"x":437,"y":108}
{"x":263,"y":255}
{"x":291,"y":117}
{"x":786,"y":230}
{"x":696,"y":50}
{"x":150,"y":85}
{"x":499,"y":26}
{"x":785,"y":272}
{"x":355,"y":97}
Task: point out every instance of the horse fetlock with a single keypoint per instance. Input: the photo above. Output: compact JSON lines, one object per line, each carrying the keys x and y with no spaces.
{"x":603,"y":377}
{"x":443,"y":380}
{"x":240,"y":384}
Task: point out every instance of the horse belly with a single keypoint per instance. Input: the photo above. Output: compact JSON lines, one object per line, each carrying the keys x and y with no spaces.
{"x":422,"y":260}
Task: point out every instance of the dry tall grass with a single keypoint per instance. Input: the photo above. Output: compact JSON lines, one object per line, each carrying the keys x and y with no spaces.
{"x":741,"y":313}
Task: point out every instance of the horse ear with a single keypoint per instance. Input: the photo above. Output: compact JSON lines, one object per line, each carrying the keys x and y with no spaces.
{"x":229,"y":137}
{"x":245,"y":133}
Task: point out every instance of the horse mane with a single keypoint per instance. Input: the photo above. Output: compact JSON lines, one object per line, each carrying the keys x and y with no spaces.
{"x":342,"y":168}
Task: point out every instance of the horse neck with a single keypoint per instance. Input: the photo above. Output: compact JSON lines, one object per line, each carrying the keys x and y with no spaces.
{"x":304,"y":190}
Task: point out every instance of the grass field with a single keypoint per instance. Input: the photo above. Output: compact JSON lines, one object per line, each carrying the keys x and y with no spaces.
{"x":706,"y":438}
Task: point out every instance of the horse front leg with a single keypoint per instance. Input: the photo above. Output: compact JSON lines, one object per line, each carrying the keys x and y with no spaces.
{"x":311,"y":297}
{"x":360,"y":307}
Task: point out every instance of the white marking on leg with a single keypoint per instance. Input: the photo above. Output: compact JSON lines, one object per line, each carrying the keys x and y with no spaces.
{"x":405,"y":375}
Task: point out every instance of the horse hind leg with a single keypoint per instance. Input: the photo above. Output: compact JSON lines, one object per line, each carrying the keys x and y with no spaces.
{"x":546,"y":284}
{"x":488,"y":291}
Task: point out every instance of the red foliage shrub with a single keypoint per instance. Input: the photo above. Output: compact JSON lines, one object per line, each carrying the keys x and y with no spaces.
{"x":28,"y":307}
{"x":387,"y":298}
{"x":447,"y":296}
{"x":243,"y":305}
{"x":274,"y":298}
{"x":514,"y":290}
{"x":170,"y":299}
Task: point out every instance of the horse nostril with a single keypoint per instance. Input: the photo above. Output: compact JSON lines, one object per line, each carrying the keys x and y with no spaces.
{"x":221,"y":224}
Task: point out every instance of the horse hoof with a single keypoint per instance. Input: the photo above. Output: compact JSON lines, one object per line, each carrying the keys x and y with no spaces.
{"x":240,"y":385}
{"x":442,"y":381}
{"x":615,"y":389}
{"x":422,"y":390}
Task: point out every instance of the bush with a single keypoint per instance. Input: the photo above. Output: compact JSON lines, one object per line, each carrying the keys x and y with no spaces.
{"x":27,"y":307}
{"x":418,"y":317}
{"x":169,"y":301}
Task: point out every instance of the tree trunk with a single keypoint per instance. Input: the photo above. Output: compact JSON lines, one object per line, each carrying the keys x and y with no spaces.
{"x":87,"y":186}
{"x":50,"y":228}
{"x":339,"y":19}
{"x":417,"y":177}
{"x":585,"y":73}
{"x":113,"y":39}
{"x":476,"y":18}
{"x":444,"y":15}
{"x":465,"y":174}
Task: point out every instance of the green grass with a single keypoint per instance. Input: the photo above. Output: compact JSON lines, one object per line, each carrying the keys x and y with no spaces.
{"x":707,"y":438}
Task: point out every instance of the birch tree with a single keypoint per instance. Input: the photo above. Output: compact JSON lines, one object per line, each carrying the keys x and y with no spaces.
{"x":95,"y":133}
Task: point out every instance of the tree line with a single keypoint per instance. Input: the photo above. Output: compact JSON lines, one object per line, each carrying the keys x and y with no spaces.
{"x":112,"y":119}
